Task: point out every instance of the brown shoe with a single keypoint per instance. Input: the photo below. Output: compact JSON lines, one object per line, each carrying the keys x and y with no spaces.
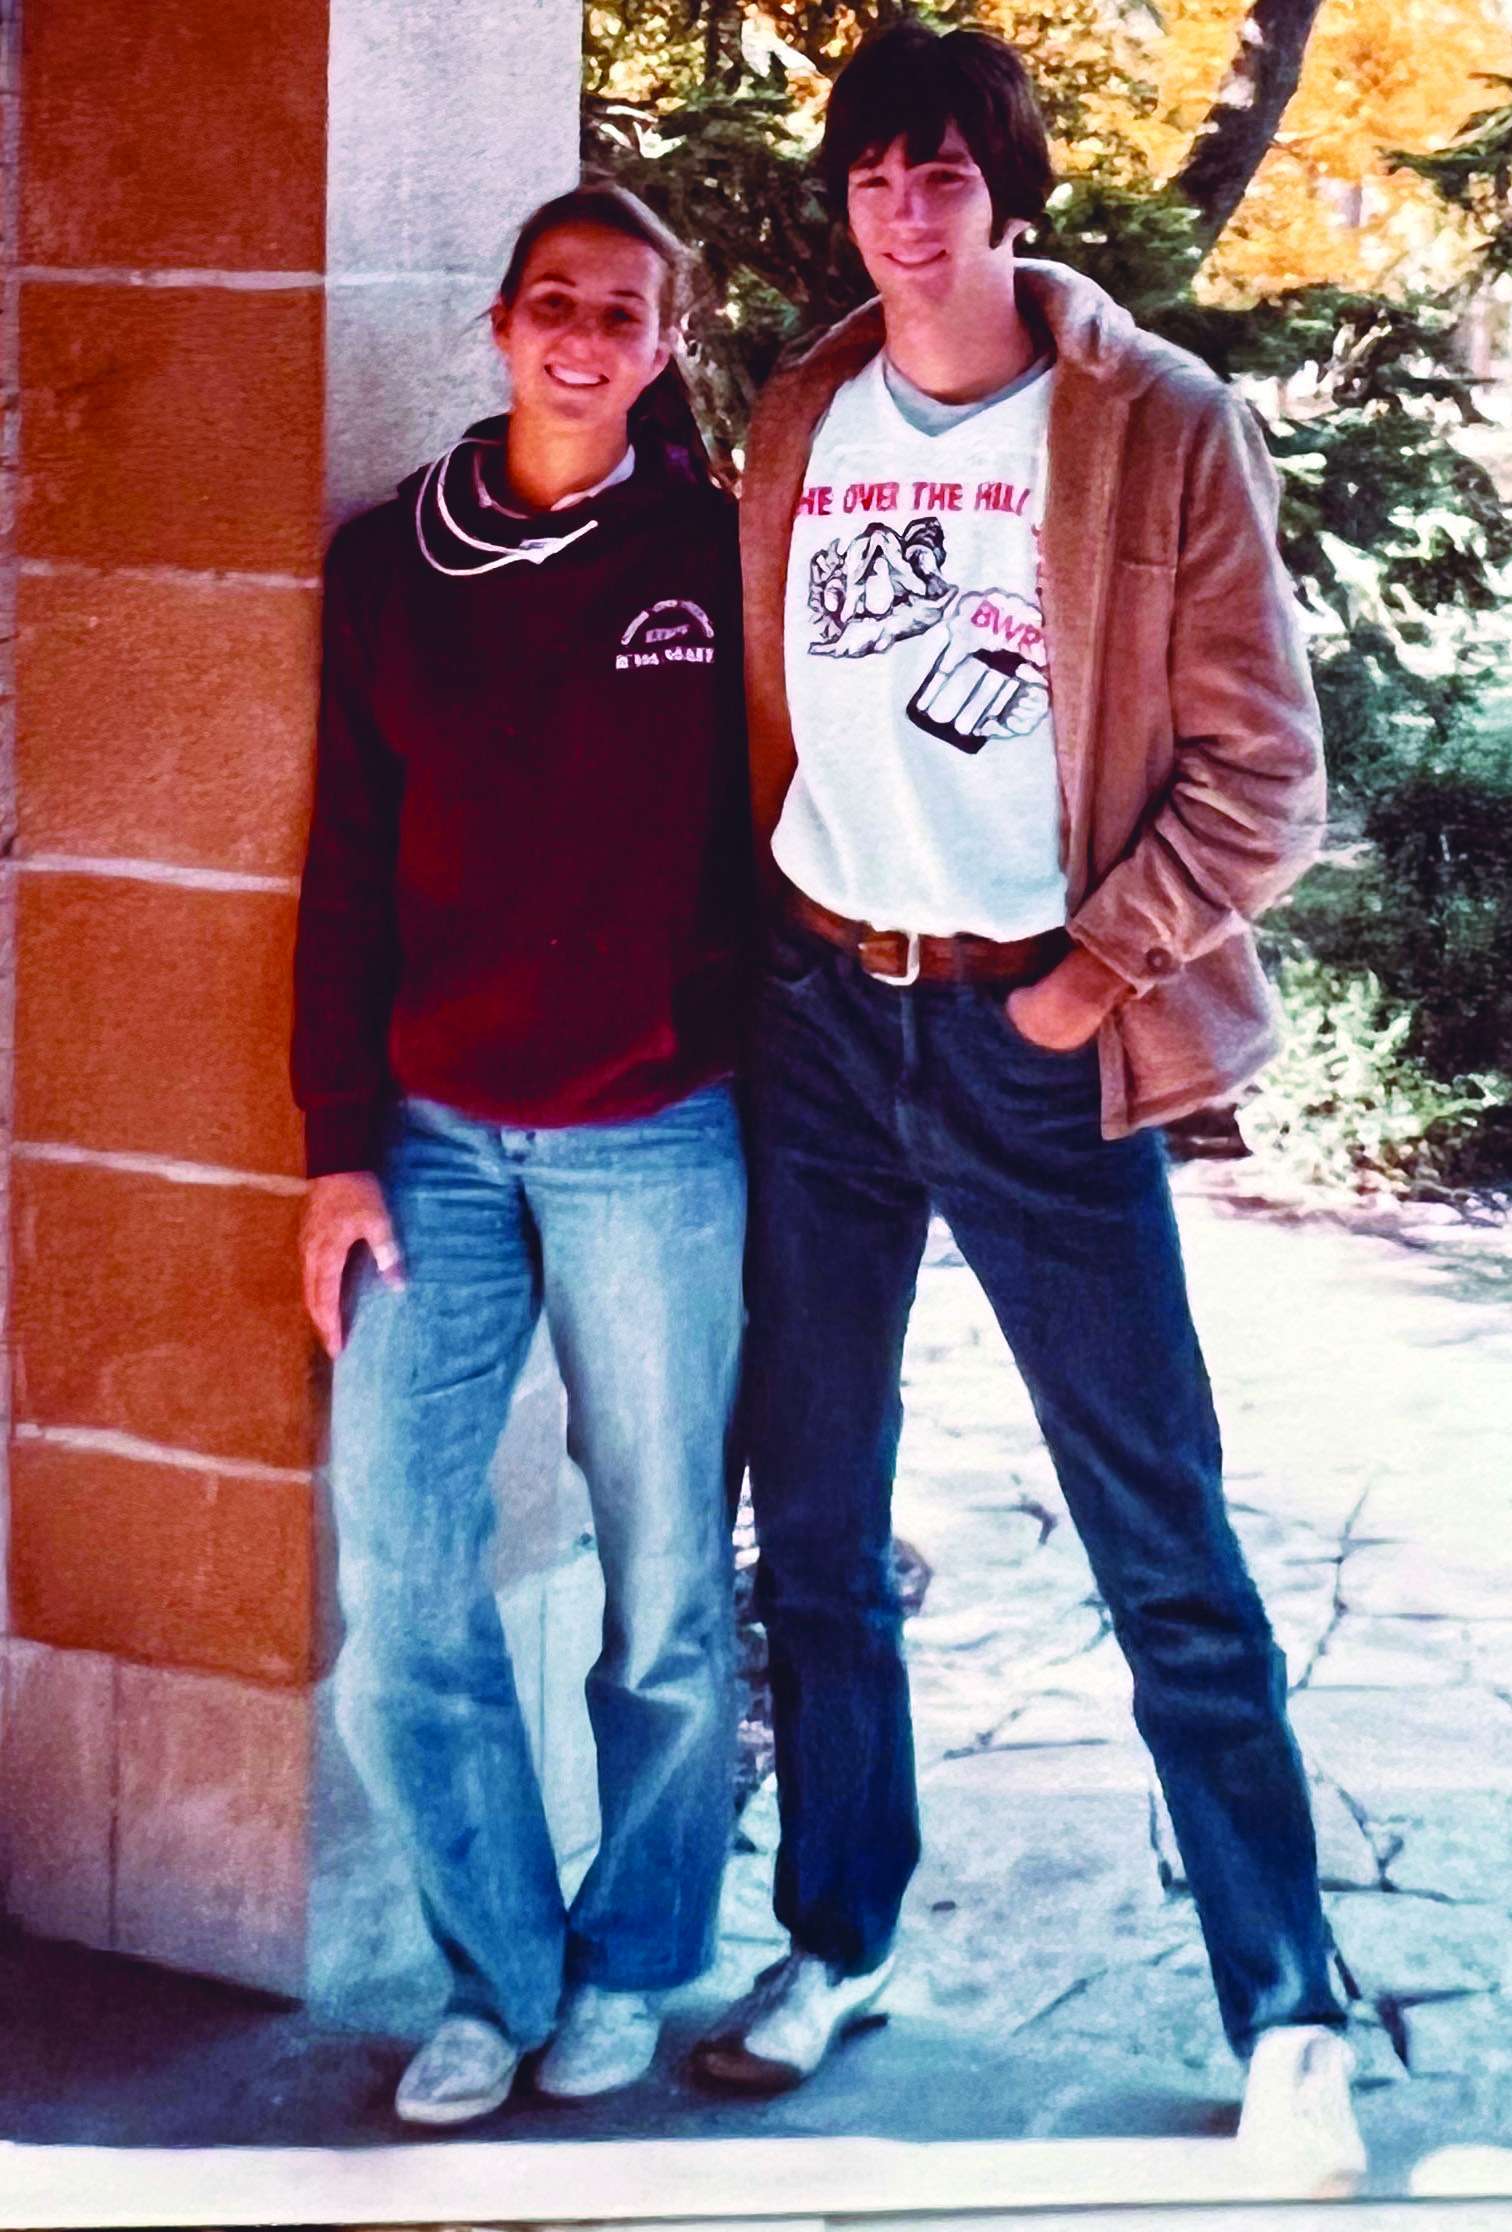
{"x":781,"y":2031}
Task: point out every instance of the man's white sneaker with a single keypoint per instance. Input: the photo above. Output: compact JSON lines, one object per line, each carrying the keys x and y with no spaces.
{"x":464,"y":2070}
{"x":786,"y":2024}
{"x":605,"y":2040}
{"x":1297,"y":2123}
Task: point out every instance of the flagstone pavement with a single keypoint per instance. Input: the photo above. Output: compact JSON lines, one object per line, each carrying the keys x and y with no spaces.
{"x":1364,"y":1382}
{"x":1051,"y":1982}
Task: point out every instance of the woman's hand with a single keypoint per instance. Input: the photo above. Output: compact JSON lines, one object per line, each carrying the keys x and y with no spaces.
{"x":343,"y":1211}
{"x":1067,"y":1007}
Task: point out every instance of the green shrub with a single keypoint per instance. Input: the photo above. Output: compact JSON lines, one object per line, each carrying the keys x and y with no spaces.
{"x":1346,"y":1104}
{"x":1381,"y":719}
{"x":1427,"y":904}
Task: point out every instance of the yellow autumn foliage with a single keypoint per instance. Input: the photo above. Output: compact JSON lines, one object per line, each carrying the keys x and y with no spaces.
{"x":1129,"y":83}
{"x":1378,"y":75}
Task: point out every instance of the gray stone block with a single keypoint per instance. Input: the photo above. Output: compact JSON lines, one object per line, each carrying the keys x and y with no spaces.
{"x":1365,"y":1651}
{"x":447,"y":123}
{"x":1404,"y":1946}
{"x":57,"y":1776}
{"x":410,"y":362}
{"x":1448,"y":1579}
{"x":211,"y":1834}
{"x":1415,"y":1740}
{"x":1458,"y":1845}
{"x":1346,"y":1854}
{"x":1446,"y":2038}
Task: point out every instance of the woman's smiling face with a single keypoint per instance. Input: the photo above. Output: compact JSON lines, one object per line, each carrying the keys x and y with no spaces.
{"x":586,"y":332}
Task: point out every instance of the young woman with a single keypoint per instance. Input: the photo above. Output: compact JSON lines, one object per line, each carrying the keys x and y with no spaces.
{"x":515,"y":1021}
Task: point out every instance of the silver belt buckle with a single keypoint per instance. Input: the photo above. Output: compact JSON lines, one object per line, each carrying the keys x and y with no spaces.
{"x":910,"y":970}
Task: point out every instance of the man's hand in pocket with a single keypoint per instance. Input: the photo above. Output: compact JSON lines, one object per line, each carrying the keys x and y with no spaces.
{"x":1066,"y":1008}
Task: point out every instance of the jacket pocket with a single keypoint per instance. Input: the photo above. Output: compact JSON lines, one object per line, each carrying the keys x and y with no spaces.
{"x":1200,"y":1035}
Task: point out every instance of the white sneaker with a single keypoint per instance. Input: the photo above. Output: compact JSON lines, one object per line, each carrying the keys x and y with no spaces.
{"x":464,"y":2070}
{"x":605,"y":2040}
{"x":786,"y":2024}
{"x":1297,"y":2121}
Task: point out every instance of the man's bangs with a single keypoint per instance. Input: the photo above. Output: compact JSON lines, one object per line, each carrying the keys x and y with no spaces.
{"x":920,"y":119}
{"x":911,"y":85}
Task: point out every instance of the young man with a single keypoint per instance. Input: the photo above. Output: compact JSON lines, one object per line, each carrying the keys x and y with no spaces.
{"x":1033,"y":739}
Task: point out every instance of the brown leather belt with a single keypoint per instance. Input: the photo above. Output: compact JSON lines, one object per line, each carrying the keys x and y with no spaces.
{"x":905,"y":957}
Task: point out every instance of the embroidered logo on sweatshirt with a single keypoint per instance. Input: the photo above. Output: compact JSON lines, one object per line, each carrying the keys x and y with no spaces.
{"x":672,"y":632}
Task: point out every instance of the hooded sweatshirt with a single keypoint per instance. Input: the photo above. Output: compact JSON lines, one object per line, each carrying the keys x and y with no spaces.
{"x":526,"y":889}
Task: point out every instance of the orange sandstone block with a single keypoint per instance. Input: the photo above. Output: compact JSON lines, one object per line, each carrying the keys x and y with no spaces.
{"x":166,"y":719}
{"x":180,"y":133}
{"x":167,"y":1564}
{"x":176,"y":426}
{"x":163,"y":1310}
{"x":155,"y":1019}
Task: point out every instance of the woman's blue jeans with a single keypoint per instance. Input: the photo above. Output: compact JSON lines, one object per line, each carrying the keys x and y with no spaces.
{"x":870,"y":1105}
{"x":629,"y":1236}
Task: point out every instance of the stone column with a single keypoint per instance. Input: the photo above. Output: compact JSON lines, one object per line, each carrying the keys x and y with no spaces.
{"x":253,"y":242}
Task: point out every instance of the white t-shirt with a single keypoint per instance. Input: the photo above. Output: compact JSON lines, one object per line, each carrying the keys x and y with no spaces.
{"x":926,"y":796}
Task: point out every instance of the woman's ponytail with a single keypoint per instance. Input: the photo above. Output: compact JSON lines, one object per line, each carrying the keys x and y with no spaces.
{"x":665,"y":410}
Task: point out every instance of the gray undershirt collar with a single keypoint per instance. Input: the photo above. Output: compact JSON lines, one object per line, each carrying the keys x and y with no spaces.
{"x":926,"y":414}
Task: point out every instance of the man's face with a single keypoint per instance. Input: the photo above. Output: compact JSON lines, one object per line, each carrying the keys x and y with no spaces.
{"x":585,"y":334}
{"x":924,"y":230}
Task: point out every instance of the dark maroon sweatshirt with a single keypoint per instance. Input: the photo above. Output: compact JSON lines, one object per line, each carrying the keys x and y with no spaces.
{"x":527,"y":886}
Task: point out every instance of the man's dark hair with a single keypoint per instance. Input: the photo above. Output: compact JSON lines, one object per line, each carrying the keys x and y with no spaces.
{"x":911,"y":82}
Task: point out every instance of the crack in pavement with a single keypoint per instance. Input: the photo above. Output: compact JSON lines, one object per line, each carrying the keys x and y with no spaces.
{"x":1165,"y":1873}
{"x":1047,"y":1520}
{"x":1387,"y":2007}
{"x":1340,"y":1609}
{"x":1084,"y":1984}
{"x":1046,"y":1660}
{"x":1061,"y":1999}
{"x":1392,"y":2008}
{"x":1385,"y":1846}
{"x":1386,"y":1890}
{"x":1393,"y":2021}
{"x":986,"y":1739}
{"x":981,"y":1750}
{"x":1433,"y":1995}
{"x":1091,"y":1602}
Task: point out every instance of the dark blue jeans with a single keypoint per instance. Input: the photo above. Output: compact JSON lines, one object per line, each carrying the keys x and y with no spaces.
{"x":870,"y":1106}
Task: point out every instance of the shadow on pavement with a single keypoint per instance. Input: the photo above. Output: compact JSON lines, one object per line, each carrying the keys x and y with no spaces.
{"x":99,"y":2050}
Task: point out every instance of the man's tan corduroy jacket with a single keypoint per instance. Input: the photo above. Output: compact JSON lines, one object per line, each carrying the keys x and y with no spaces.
{"x":1186,"y":729}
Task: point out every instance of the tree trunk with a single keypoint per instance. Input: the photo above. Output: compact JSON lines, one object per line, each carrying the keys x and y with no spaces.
{"x":1232,"y":140}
